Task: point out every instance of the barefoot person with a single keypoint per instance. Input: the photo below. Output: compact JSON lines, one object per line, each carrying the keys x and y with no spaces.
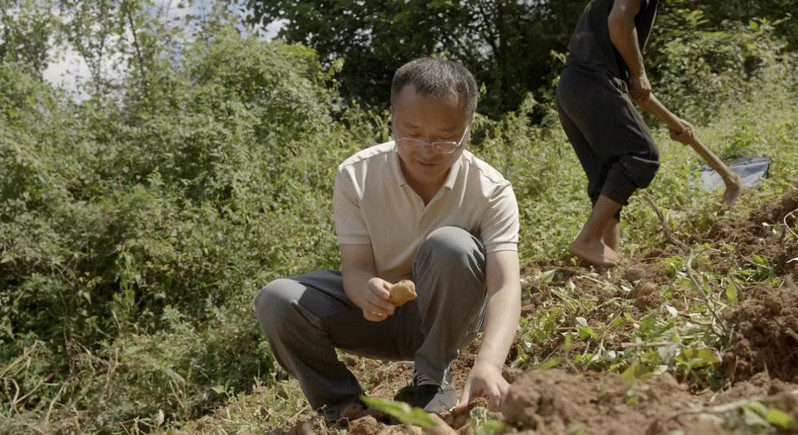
{"x":603,"y":73}
{"x":420,"y":207}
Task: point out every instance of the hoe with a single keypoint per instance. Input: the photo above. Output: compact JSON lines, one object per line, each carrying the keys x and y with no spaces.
{"x":732,"y":180}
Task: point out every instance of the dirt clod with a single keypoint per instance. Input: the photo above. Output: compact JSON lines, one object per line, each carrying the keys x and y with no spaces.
{"x":364,"y":426}
{"x":767,"y":336}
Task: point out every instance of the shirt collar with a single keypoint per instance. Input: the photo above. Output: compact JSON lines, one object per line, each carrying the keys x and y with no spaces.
{"x":399,"y":177}
{"x":453,"y":171}
{"x":396,"y":169}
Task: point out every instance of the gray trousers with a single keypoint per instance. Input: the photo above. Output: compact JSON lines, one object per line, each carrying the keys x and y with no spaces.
{"x":306,"y":317}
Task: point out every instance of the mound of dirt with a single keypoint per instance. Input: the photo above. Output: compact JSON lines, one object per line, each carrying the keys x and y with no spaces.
{"x":763,"y":234}
{"x":554,"y":402}
{"x":767,"y":336}
{"x":777,"y":212}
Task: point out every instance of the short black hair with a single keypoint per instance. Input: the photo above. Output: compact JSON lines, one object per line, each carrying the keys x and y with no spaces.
{"x":435,"y":77}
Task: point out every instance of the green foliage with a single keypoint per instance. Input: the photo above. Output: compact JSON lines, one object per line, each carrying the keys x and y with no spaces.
{"x":135,"y":231}
{"x":506,"y":44}
{"x":408,"y":415}
{"x":782,"y":11}
{"x":700,"y":67}
{"x":25,"y":29}
{"x":698,"y":53}
{"x":482,"y":423}
{"x":755,"y":417}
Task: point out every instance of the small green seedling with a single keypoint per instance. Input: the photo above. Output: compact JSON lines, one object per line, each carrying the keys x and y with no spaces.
{"x":482,"y":424}
{"x":408,"y":415}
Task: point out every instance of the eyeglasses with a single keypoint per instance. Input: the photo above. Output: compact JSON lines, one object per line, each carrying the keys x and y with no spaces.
{"x":440,"y":147}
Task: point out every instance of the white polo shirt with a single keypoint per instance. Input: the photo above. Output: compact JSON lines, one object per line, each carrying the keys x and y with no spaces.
{"x":373,"y":204}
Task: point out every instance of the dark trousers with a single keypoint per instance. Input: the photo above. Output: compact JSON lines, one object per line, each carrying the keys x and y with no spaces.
{"x":611,"y":140}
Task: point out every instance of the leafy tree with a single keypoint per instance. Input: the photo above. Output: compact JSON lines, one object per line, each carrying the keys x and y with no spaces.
{"x":699,"y":66}
{"x":505,"y":43}
{"x":136,"y":226}
{"x":770,"y":11}
{"x":25,"y":27}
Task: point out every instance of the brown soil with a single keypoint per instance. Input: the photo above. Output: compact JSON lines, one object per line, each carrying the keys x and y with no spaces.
{"x":767,"y":336}
{"x":764,"y":234}
{"x":369,"y":425}
{"x":309,"y":426}
{"x":554,"y":402}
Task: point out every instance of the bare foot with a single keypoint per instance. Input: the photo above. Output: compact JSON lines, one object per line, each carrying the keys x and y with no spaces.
{"x":595,"y":253}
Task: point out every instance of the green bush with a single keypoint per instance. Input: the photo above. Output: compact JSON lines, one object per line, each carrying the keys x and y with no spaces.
{"x":135,"y":235}
{"x":699,"y":69}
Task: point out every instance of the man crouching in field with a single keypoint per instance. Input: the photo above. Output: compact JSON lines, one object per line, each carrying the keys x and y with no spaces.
{"x":424,"y":208}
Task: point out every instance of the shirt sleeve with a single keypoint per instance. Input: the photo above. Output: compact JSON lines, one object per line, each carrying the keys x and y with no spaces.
{"x":350,"y":226}
{"x":500,"y":223}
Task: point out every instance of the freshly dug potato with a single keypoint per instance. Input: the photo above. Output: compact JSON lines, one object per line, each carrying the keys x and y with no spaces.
{"x":402,"y":292}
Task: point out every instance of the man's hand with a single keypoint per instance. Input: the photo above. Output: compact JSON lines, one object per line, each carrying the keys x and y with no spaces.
{"x":361,"y":284}
{"x":485,"y":379}
{"x":373,"y":300}
{"x":640,"y":88}
{"x":685,"y":136}
{"x":503,"y":281}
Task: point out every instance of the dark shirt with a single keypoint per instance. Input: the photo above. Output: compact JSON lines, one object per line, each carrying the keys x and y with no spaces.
{"x":590,"y":46}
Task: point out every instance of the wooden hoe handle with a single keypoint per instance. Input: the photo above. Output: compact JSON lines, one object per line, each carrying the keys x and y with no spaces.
{"x":732,"y":181}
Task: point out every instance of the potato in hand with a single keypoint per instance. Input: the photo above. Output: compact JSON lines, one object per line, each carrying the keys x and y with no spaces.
{"x":402,"y":292}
